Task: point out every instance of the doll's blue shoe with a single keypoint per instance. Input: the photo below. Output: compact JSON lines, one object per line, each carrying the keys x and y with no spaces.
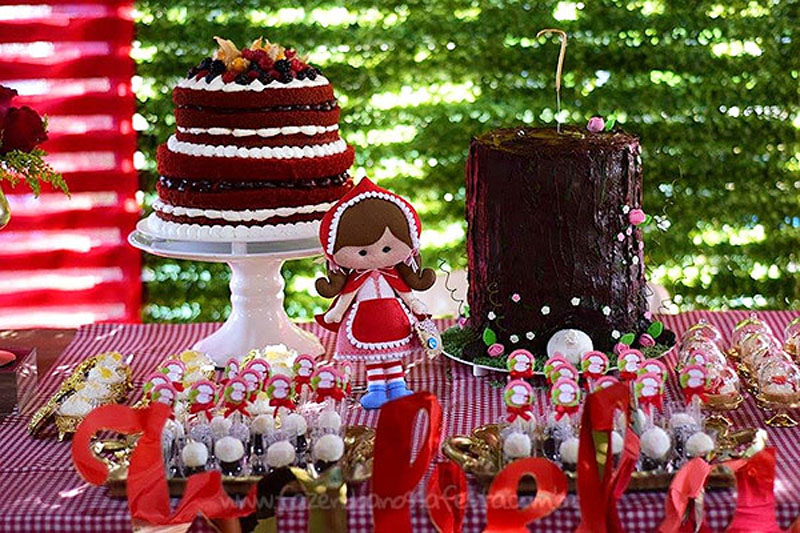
{"x":375,"y":397}
{"x":398,"y":390}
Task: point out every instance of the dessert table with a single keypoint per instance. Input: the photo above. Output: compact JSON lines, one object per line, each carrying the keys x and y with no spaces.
{"x":42,"y":492}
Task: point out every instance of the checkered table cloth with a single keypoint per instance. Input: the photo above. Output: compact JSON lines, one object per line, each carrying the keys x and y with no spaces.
{"x":40,"y":491}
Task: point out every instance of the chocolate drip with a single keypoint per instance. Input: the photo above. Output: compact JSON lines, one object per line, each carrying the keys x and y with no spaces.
{"x":544,"y":212}
{"x":208,"y":186}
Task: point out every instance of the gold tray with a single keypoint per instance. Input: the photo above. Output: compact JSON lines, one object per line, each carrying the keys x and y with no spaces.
{"x":356,"y":465}
{"x":480,"y":455}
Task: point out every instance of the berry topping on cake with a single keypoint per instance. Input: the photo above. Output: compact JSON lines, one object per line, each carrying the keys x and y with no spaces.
{"x":262,"y":60}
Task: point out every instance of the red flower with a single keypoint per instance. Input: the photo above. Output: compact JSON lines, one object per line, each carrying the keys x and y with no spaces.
{"x":6,"y":95}
{"x":23,"y":130}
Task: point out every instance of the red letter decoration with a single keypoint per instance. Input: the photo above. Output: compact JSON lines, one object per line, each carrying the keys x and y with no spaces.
{"x":393,"y":474}
{"x":755,"y":504}
{"x":446,"y":497}
{"x":598,"y":498}
{"x":148,"y":495}
{"x":503,"y":514}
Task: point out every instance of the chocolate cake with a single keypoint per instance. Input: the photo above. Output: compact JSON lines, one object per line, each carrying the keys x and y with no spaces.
{"x":551,"y":242}
{"x":256,"y":154}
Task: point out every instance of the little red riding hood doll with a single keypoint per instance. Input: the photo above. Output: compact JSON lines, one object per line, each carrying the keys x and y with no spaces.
{"x":371,"y":241}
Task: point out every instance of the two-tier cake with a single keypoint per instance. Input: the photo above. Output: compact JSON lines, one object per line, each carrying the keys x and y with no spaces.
{"x":257,"y":153}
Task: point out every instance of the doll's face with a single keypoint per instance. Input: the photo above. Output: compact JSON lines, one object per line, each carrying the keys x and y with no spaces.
{"x":385,"y":252}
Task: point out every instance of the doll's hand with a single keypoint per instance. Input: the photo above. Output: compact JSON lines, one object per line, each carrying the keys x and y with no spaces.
{"x":333,"y":316}
{"x":418,"y":308}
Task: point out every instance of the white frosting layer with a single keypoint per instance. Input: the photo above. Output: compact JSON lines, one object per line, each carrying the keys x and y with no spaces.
{"x":255,"y":86}
{"x":238,"y":216}
{"x":197,"y":232}
{"x":256,"y":152}
{"x":261,"y":132}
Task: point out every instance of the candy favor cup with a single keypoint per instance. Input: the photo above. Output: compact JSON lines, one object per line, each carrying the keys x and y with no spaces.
{"x":780,"y":405}
{"x":719,"y":405}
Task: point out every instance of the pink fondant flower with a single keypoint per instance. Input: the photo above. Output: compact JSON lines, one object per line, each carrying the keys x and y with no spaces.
{"x":620,"y":347}
{"x":462,"y":321}
{"x":620,"y":237}
{"x":648,"y":315}
{"x":495,"y":350}
{"x":516,"y":297}
{"x":596,"y":124}
{"x":646,"y":340}
{"x":636,"y":216}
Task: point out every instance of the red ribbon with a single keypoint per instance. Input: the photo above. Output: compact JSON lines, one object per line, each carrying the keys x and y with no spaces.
{"x":755,"y":504}
{"x":624,"y":375}
{"x":148,"y":494}
{"x":691,"y":392}
{"x":394,"y":476}
{"x":335,"y":393}
{"x":283,"y":402}
{"x":231,"y":407}
{"x":564,"y":410}
{"x":525,"y":374}
{"x":648,"y":402}
{"x":299,"y":381}
{"x":202,"y":408}
{"x":523,"y":412}
{"x":446,"y":497}
{"x":598,"y":498}
{"x":503,"y":514}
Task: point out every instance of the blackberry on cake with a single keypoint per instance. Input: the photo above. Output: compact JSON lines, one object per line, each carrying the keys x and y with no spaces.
{"x":257,"y":153}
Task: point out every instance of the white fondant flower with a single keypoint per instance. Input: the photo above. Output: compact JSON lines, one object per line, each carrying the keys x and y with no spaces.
{"x":615,"y":334}
{"x":491,"y":315}
{"x":626,"y":209}
{"x":514,"y":339}
{"x":546,"y":310}
{"x":530,"y":335}
{"x":576,"y":301}
{"x":606,"y":310}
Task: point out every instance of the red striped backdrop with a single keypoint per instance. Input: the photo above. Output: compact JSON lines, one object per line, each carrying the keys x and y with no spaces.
{"x":65,"y":262}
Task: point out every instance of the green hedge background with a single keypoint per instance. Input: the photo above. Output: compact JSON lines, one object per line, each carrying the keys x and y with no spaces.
{"x":711,"y":88}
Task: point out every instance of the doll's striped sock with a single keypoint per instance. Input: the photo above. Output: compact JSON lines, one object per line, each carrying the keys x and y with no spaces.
{"x":375,"y":374}
{"x":393,"y":372}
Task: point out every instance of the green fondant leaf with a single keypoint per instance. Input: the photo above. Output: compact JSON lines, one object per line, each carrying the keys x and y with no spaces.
{"x":610,"y":123}
{"x":628,"y":339}
{"x":489,"y":336}
{"x":647,"y":220}
{"x":655,"y":329}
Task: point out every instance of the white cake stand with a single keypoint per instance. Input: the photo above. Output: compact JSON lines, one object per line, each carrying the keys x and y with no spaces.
{"x":257,"y":316}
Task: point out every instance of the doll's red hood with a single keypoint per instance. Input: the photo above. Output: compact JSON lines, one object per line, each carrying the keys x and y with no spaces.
{"x":364,"y":190}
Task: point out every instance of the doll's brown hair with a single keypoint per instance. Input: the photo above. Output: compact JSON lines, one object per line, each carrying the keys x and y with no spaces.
{"x":363,"y":224}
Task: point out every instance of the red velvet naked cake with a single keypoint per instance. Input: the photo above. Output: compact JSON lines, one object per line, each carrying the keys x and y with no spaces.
{"x":256,"y":154}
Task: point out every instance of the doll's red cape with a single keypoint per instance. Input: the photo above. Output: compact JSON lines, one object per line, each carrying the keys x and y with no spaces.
{"x":354,"y":281}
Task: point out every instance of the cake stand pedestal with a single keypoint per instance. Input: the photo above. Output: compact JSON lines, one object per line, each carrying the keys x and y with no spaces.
{"x":257,"y":316}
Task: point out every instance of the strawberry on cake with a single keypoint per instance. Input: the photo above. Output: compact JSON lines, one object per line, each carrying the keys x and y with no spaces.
{"x":256,"y":154}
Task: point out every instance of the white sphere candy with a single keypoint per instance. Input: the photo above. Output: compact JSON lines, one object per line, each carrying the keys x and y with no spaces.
{"x":569,"y":451}
{"x":699,"y":445}
{"x":571,"y":343}
{"x":194,"y":454}
{"x":329,"y":448}
{"x":280,"y":454}
{"x":294,"y":424}
{"x":517,"y":445}
{"x":329,"y":420}
{"x":229,"y":449}
{"x":263,"y":424}
{"x":655,"y":443}
{"x":617,"y":443}
{"x":220,"y":425}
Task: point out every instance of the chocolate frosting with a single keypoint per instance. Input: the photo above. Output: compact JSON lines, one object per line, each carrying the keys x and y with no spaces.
{"x":544,"y":212}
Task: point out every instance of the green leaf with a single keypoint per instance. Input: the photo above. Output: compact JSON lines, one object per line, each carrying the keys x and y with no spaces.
{"x":655,"y":329}
{"x":628,"y":339}
{"x":489,"y":336}
{"x":610,"y":123}
{"x":647,"y":220}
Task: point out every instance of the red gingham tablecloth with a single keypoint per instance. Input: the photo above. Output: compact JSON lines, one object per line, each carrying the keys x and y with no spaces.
{"x":40,"y":490}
